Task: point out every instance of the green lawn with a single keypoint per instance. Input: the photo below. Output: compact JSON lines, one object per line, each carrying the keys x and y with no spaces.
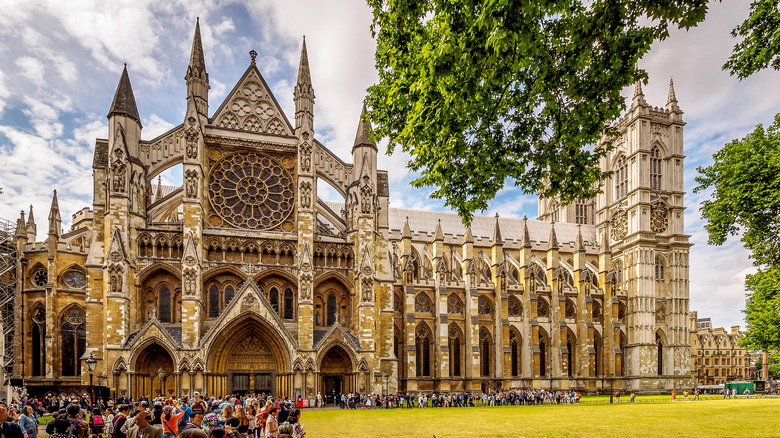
{"x":721,"y":418}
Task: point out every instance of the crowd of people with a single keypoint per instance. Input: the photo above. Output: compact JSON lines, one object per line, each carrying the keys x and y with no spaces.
{"x":459,"y":399}
{"x":197,"y":417}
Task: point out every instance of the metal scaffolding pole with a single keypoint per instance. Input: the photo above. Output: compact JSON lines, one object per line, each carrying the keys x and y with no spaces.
{"x":8,"y":266}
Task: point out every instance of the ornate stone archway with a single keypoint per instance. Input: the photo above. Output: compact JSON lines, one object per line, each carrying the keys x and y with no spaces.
{"x":248,"y":356}
{"x":146,"y":372}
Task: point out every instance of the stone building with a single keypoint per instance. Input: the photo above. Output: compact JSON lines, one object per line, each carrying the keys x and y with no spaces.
{"x":716,"y":356}
{"x":242,"y":279}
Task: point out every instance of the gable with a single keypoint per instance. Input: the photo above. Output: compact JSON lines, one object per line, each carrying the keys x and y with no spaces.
{"x":252,"y":107}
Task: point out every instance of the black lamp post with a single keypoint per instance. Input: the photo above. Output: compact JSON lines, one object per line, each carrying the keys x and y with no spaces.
{"x":386,"y":379}
{"x":91,"y":365}
{"x":161,"y":374}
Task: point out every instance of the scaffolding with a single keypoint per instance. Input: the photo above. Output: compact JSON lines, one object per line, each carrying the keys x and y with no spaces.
{"x":8,"y":264}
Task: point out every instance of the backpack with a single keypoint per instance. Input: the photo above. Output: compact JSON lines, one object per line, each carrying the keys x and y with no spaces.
{"x":97,"y":422}
{"x":182,"y":421}
{"x":74,"y":427}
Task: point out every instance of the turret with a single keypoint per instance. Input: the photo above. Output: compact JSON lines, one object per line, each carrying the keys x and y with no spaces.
{"x":438,"y":241}
{"x":364,"y":160}
{"x":55,"y":221}
{"x":124,"y":113}
{"x":304,"y":93}
{"x":30,"y":227}
{"x":552,"y":248}
{"x":525,"y":250}
{"x":21,"y":230}
{"x":197,"y":78}
{"x":671,"y":102}
{"x":639,"y":96}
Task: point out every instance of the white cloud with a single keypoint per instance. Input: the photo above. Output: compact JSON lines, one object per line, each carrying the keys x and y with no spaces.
{"x":32,"y":69}
{"x":155,"y":126}
{"x":5,"y":92}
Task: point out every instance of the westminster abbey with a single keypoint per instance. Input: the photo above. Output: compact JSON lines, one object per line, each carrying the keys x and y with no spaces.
{"x":243,"y":280}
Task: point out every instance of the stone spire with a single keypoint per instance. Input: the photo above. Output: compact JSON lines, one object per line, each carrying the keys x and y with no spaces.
{"x":158,"y":191}
{"x":497,"y":240}
{"x":363,"y":135}
{"x":124,"y":99}
{"x":468,"y":237}
{"x":526,"y":236}
{"x":605,"y":242}
{"x":21,"y":228}
{"x":671,"y":102}
{"x":197,"y":78}
{"x":406,"y":232}
{"x":55,"y":221}
{"x":31,"y":228}
{"x":639,"y":96}
{"x":579,"y":246}
{"x":438,"y":236}
{"x":304,"y":92}
{"x":553,"y":243}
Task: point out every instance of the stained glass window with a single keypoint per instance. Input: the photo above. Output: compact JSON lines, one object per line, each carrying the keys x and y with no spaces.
{"x":75,"y":279}
{"x":74,"y":341}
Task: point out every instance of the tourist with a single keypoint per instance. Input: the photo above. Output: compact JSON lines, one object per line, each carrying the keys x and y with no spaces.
{"x":110,"y":421}
{"x":60,"y":427}
{"x":617,"y":396}
{"x":27,"y":423}
{"x":193,"y":432}
{"x":157,"y":412}
{"x":143,"y":429}
{"x":196,"y":422}
{"x":119,"y":421}
{"x":231,"y":428}
{"x":251,"y":413}
{"x":9,"y":428}
{"x":674,"y":395}
{"x":295,"y":420}
{"x":285,"y":430}
{"x":272,"y":425}
{"x":632,"y":397}
{"x":79,"y":426}
{"x":214,"y":418}
{"x":198,"y":405}
{"x":170,"y":421}
{"x":96,"y":423}
{"x":243,"y":421}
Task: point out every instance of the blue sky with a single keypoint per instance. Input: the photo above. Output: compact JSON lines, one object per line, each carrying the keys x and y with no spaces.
{"x":62,"y":61}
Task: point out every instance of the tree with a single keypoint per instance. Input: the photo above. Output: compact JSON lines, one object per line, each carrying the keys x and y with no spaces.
{"x":746,"y":198}
{"x":762,"y":312}
{"x":483,"y":93}
{"x":760,"y":46}
{"x":774,"y":365}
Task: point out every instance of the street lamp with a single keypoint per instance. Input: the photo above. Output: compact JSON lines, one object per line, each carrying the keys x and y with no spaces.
{"x":91,"y":364}
{"x":161,"y":374}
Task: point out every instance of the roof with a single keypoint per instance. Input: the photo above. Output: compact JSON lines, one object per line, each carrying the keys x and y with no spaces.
{"x":124,"y":100}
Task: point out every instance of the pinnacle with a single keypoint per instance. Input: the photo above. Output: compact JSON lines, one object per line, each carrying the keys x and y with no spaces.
{"x":363,"y":135}
{"x":497,"y":239}
{"x":304,"y":73}
{"x":124,"y":100}
{"x":672,"y":97}
{"x":526,"y":235}
{"x":468,"y":238}
{"x":30,"y":217}
{"x":438,"y":235}
{"x":553,"y":237}
{"x":579,"y":245}
{"x":406,"y":232}
{"x":197,"y":60}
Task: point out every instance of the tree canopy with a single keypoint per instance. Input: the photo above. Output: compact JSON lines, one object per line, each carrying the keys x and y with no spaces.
{"x":762,"y":312}
{"x":760,"y":44}
{"x":487,"y":92}
{"x":745,"y":178}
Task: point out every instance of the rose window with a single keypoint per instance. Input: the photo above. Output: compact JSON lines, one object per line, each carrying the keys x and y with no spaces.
{"x":251,"y":190}
{"x":40,"y":278}
{"x":75,"y":279}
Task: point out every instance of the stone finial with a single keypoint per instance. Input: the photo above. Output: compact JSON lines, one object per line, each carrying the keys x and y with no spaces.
{"x":639,"y":96}
{"x":158,"y":192}
{"x":253,"y":56}
{"x":124,"y":99}
{"x":363,"y":135}
{"x":553,"y":243}
{"x":671,"y":102}
{"x":468,"y":237}
{"x":579,"y":245}
{"x":497,"y":239}
{"x":55,"y":221}
{"x":438,"y":236}
{"x":30,"y":218}
{"x":526,"y":235}
{"x":605,"y":241}
{"x":406,"y":233}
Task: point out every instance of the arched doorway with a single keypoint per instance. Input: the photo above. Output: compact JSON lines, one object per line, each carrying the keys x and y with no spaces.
{"x":246,"y":357}
{"x":148,"y":363}
{"x":338,"y":376}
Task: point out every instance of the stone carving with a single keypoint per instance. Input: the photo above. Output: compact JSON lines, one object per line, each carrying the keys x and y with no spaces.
{"x":366,"y":262}
{"x":191,"y":183}
{"x":660,"y":313}
{"x":305,"y":151}
{"x":318,"y":318}
{"x":118,"y":169}
{"x":305,"y":286}
{"x":249,"y":300}
{"x":366,"y":193}
{"x":189,"y":280}
{"x":367,"y":289}
{"x":306,"y":258}
{"x":115,"y":279}
{"x":152,"y":313}
{"x":306,"y":194}
{"x":190,"y":257}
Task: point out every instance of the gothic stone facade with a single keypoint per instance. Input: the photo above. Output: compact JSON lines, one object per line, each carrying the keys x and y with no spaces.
{"x":242,"y":279}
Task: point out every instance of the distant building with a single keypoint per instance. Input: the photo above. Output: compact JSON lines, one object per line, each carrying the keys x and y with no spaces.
{"x":716,"y":356}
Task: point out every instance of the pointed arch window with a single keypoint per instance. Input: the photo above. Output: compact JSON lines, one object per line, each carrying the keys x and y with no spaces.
{"x":164,"y":300}
{"x":39,"y":342}
{"x":423,"y":350}
{"x":454,"y":305}
{"x":485,"y":307}
{"x":621,"y":177}
{"x":273,"y":298}
{"x":455,"y":341}
{"x":581,"y":212}
{"x":288,"y":304}
{"x":514,"y":344}
{"x":331,"y":309}
{"x":570,"y":356}
{"x":655,"y":168}
{"x":659,"y":268}
{"x":554,"y":208}
{"x":514,"y":307}
{"x":229,"y":294}
{"x":542,"y":353}
{"x":213,"y":301}
{"x":484,"y":351}
{"x":660,"y":358}
{"x":74,"y":341}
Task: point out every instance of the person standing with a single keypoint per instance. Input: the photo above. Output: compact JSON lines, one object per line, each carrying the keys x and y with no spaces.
{"x":272,"y":424}
{"x":96,"y":423}
{"x":27,"y":423}
{"x":143,"y":429}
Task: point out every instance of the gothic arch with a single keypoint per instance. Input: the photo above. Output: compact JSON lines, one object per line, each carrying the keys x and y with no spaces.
{"x":276,"y":272}
{"x":323,"y":351}
{"x":211,"y":273}
{"x":151,"y":269}
{"x":120,"y":364}
{"x":662,"y":148}
{"x":165,"y":344}
{"x":249,"y":322}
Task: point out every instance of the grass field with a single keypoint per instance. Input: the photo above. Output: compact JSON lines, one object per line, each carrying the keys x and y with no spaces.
{"x":714,"y":418}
